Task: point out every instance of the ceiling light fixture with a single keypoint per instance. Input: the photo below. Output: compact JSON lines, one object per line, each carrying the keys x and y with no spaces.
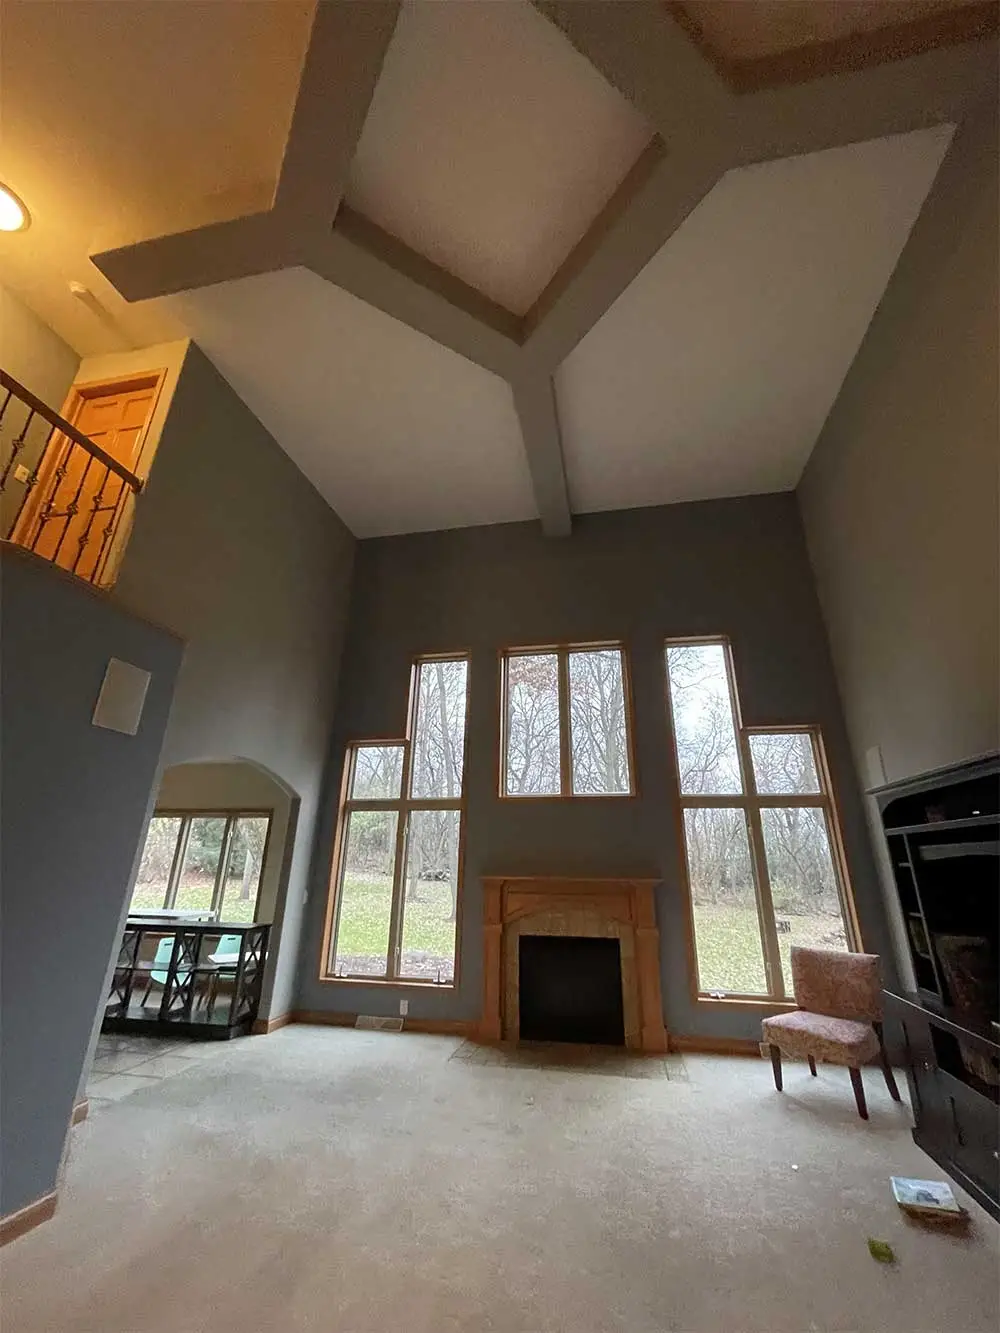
{"x":14,"y":216}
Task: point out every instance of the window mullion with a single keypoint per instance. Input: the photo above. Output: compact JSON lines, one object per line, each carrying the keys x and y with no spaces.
{"x":222,"y":869}
{"x":765,"y":904}
{"x":398,"y":891}
{"x":565,"y":751}
{"x":399,"y":869}
{"x":180,"y":851}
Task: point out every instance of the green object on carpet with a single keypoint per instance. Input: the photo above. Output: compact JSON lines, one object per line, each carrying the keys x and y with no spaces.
{"x":881,"y":1251}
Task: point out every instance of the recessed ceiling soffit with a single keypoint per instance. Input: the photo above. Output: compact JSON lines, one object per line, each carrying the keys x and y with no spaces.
{"x":657,"y":95}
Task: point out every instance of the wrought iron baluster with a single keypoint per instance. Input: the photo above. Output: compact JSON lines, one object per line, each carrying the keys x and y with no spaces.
{"x":95,"y":509}
{"x":48,"y":511}
{"x":31,"y":522}
{"x":73,"y":508}
{"x":17,"y":444}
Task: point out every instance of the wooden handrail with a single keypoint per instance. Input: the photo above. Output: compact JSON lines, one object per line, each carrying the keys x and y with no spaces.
{"x":60,"y":424}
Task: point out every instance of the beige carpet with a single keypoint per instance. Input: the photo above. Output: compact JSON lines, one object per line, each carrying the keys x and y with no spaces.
{"x":348,"y":1182}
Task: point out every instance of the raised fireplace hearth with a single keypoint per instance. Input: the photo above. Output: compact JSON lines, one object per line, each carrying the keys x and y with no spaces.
{"x":538,"y":923}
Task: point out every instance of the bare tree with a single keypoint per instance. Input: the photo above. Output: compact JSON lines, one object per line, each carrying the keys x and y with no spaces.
{"x":597,"y":717}
{"x":533,"y":724}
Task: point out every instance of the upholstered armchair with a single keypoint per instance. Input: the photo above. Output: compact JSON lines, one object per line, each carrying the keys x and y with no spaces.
{"x":839,"y":1018}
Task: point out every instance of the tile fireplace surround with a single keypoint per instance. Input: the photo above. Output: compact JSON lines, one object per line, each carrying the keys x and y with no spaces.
{"x":609,"y":908}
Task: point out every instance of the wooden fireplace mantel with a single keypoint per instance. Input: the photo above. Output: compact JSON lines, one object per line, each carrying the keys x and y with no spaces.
{"x":617,"y":906}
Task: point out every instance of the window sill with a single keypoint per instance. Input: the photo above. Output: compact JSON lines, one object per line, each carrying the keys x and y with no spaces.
{"x":392,"y":982}
{"x":520,"y":798}
{"x":744,"y":1003}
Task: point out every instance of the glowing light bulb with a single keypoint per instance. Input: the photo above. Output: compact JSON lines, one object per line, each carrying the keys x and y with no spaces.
{"x":13,"y":214}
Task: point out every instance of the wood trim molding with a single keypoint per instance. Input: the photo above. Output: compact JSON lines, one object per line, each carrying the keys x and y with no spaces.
{"x":621,"y":907}
{"x":441,"y":1027}
{"x":975,"y":21}
{"x":263,"y":1026}
{"x":745,"y":1046}
{"x":32,"y":1215}
{"x":80,"y":1112}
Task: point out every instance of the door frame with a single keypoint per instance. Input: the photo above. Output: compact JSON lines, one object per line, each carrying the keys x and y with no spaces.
{"x":77,"y":395}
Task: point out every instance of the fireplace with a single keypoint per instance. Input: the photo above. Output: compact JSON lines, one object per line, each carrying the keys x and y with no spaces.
{"x":603,"y":912}
{"x":570,"y":989}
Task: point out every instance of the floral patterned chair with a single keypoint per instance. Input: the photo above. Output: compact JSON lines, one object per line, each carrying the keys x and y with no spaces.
{"x":839,"y":1017}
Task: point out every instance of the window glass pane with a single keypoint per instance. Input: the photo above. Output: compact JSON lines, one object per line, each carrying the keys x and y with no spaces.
{"x":726,"y":925}
{"x":157,"y":857}
{"x":707,"y":757}
{"x":430,"y":896}
{"x":532,"y":725}
{"x":201,"y":863}
{"x":807,"y":906}
{"x":246,"y":861}
{"x":439,"y":729}
{"x":784,"y":763}
{"x":362,"y":945}
{"x":597,"y":722}
{"x":378,"y":773}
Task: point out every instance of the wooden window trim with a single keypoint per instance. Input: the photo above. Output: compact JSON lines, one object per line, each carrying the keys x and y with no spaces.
{"x":562,"y":651}
{"x":231,"y":814}
{"x":753,"y":802}
{"x":404,"y":805}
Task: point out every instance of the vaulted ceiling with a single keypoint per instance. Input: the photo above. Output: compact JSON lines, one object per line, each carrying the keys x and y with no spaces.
{"x":474,"y":261}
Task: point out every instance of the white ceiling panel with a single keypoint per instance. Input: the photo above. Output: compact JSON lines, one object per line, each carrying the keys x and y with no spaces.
{"x":491,"y":144}
{"x":714,"y":371}
{"x":397,"y":433}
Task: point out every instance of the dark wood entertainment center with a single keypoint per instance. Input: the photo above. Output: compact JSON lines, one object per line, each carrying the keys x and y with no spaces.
{"x":943,"y":835}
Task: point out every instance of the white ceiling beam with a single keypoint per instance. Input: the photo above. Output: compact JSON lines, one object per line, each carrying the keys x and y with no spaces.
{"x":347,"y":46}
{"x":370,"y":264}
{"x":587,"y":287}
{"x":931,"y":89}
{"x":535,"y":402}
{"x":650,"y":59}
{"x":198,"y":258}
{"x":708,"y":129}
{"x":341,"y":70}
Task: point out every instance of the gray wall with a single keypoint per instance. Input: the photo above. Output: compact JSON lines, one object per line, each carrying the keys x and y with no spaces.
{"x":74,"y":802}
{"x":33,"y":354}
{"x":900,"y":497}
{"x":235,"y":550}
{"x":737,"y":567}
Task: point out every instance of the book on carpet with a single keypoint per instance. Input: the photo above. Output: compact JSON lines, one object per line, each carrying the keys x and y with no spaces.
{"x":925,"y":1198}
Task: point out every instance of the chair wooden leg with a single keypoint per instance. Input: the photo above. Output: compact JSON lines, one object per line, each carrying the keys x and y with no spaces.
{"x":859,"y":1092}
{"x":776,"y":1065}
{"x":812,"y":1065}
{"x":883,"y":1056}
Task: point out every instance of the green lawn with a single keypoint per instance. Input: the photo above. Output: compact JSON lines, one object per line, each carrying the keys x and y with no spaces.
{"x":192,"y":897}
{"x":729,"y":950}
{"x":428,"y":934}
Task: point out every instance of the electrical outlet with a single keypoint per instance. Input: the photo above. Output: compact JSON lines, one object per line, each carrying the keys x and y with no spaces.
{"x":22,"y":473}
{"x":404,"y":1008}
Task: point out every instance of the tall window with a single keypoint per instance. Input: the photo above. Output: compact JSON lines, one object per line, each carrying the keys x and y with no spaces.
{"x":207,"y":861}
{"x":759,"y":833}
{"x":398,"y":870}
{"x":565,"y":723}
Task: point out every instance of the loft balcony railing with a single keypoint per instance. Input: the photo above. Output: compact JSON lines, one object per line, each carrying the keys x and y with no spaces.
{"x":61,"y":495}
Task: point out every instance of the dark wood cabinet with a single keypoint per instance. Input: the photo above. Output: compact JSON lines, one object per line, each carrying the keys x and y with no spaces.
{"x":956,"y":1113}
{"x":942,"y":832}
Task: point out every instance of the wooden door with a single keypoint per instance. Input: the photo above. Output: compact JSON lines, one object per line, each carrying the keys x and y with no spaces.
{"x":77,"y":503}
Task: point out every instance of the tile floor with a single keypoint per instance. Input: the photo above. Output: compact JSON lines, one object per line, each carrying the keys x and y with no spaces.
{"x":124,"y":1063}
